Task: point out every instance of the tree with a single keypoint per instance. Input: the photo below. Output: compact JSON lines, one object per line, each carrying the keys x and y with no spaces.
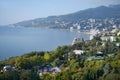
{"x":66,"y":75}
{"x":90,"y":74}
{"x":23,"y":63}
{"x":36,"y":60}
{"x":74,"y":65}
{"x":112,"y":76}
{"x":89,"y":53}
{"x":28,"y":75}
{"x":47,"y":56}
{"x":46,"y":77}
{"x":58,"y":76}
{"x":78,"y":76}
{"x":55,"y":62}
{"x":60,"y":51}
{"x":107,"y":69}
{"x":9,"y":75}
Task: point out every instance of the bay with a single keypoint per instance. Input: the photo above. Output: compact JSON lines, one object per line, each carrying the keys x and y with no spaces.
{"x":15,"y":41}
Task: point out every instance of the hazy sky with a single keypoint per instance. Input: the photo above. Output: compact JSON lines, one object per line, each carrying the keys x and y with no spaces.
{"x":12,"y":11}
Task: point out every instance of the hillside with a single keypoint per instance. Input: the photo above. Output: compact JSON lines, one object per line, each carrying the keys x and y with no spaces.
{"x":100,"y":14}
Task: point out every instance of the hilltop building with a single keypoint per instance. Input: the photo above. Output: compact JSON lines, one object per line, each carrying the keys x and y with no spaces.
{"x":77,"y":41}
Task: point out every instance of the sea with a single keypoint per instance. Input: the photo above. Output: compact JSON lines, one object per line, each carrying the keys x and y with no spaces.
{"x":16,"y":41}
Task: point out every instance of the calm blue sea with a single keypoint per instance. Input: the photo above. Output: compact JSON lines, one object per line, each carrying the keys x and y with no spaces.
{"x":17,"y":41}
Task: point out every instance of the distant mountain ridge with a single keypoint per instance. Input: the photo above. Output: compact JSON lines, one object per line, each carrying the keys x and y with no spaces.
{"x":66,"y":21}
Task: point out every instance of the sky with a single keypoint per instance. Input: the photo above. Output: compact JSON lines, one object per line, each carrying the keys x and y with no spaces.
{"x":13,"y":11}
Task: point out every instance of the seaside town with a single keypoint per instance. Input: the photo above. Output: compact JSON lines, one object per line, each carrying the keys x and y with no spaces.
{"x":60,"y":40}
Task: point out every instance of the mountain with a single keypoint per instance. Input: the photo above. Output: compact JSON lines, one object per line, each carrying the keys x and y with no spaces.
{"x":78,"y":18}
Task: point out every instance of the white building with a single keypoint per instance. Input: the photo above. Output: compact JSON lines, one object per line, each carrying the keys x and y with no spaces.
{"x":71,"y":28}
{"x":9,"y":68}
{"x":93,"y":33}
{"x":112,"y":38}
{"x":114,"y":30}
{"x":104,"y":38}
{"x":91,"y":37}
{"x":78,"y":52}
{"x":117,"y":44}
{"x":78,"y":27}
{"x":118,"y":34}
{"x":55,"y":70}
{"x":99,"y":53}
{"x":107,"y":38}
